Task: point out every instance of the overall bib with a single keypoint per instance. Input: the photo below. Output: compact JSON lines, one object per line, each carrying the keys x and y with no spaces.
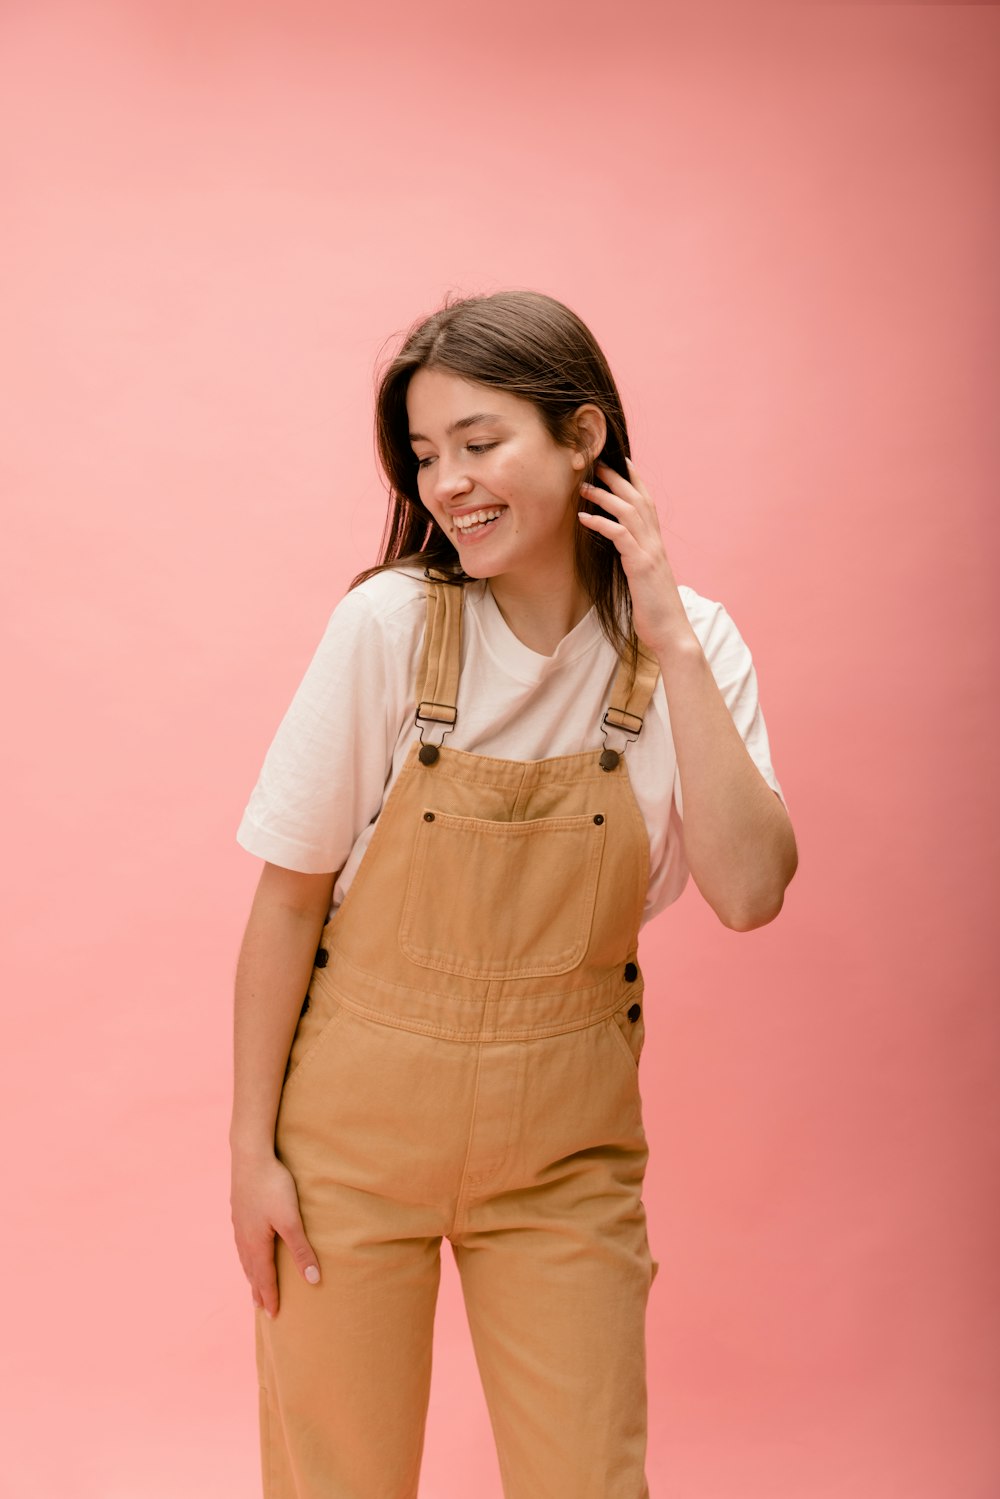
{"x":466,"y":1065}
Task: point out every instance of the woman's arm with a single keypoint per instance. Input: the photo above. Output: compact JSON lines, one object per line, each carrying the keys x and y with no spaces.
{"x":738,"y":838}
{"x":273,"y":971}
{"x":272,"y":975}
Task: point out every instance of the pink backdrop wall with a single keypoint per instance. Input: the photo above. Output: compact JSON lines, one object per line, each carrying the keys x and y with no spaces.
{"x":781,"y":222}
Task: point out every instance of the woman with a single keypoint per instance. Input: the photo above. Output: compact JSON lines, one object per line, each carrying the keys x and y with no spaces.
{"x":470,"y":808}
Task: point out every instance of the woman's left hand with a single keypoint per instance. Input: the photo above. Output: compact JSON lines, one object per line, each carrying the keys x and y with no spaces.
{"x":658,"y":611}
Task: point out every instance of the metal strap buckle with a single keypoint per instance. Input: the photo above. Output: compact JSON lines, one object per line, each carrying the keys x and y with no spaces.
{"x":633,"y":727}
{"x":447,"y":715}
{"x":609,"y":756}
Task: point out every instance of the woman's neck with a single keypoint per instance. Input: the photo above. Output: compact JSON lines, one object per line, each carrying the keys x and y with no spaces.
{"x":540,"y":620}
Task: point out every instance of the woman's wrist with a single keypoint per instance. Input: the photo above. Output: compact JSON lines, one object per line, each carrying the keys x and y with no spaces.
{"x":249,"y":1146}
{"x":675,"y":640}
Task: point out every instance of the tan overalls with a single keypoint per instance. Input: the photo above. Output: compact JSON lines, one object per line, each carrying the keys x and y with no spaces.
{"x":466,"y":1065}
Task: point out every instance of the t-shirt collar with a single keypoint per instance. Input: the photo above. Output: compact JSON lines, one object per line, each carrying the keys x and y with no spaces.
{"x":519,"y":658}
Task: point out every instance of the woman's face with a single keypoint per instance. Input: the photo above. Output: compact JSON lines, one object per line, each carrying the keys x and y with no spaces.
{"x":502,"y":490}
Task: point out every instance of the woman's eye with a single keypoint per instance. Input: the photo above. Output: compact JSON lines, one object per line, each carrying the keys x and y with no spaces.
{"x":473,"y":447}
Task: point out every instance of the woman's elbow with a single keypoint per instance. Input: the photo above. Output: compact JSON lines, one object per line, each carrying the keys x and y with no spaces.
{"x":748,"y":919}
{"x":763,"y":909}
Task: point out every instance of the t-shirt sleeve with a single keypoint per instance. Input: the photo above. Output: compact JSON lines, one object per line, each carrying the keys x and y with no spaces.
{"x":732,"y":667}
{"x":324,"y":775}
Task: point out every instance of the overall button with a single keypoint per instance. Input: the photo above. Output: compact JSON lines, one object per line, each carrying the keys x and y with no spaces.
{"x":631,"y":973}
{"x":634,"y":1011}
{"x":322,"y":957}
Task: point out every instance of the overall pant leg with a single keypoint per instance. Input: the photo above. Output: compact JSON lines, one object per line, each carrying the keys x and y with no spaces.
{"x":344,"y":1369}
{"x":371,"y":1127}
{"x":556,"y":1270}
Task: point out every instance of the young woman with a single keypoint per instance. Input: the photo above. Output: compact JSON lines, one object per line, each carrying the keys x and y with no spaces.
{"x":472,"y":805}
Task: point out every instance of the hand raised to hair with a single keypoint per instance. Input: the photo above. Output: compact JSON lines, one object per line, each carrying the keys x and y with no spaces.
{"x":658,"y":611}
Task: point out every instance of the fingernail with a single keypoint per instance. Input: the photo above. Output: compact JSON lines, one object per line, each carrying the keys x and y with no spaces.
{"x":269,"y":1313}
{"x":312,"y":1274}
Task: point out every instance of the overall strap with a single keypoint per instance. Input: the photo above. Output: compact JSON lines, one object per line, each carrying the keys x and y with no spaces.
{"x":437,"y":674}
{"x":630,"y":695}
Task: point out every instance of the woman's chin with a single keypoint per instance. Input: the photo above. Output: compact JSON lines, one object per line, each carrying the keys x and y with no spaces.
{"x":473,"y":568}
{"x":477,"y":561}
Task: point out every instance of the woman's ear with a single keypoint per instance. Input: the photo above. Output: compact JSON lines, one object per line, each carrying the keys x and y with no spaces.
{"x":591,"y":432}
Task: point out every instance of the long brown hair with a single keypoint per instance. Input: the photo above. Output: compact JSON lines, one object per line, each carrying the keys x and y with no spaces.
{"x":536,"y":348}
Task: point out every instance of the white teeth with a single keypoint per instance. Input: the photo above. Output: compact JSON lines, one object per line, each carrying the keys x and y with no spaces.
{"x":476,"y":518}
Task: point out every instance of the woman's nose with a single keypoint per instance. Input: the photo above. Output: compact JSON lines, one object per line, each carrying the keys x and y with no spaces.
{"x":449,"y":481}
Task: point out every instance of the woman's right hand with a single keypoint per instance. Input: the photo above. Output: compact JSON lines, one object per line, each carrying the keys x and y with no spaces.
{"x":264,"y":1202}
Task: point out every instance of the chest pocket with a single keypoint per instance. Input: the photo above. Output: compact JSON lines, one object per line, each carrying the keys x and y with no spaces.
{"x":495,"y":900}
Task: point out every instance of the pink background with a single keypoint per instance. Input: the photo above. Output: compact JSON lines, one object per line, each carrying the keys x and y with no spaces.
{"x":782,"y":224}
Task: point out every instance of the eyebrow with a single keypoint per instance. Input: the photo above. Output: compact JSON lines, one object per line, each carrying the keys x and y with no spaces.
{"x":464,"y":421}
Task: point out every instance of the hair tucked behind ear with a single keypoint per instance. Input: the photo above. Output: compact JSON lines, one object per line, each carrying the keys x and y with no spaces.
{"x":534,"y":347}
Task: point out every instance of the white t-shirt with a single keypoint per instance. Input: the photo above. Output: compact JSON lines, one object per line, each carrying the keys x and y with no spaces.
{"x":349,"y":727}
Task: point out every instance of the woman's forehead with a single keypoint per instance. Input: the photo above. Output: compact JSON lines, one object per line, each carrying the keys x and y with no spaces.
{"x":437,"y":397}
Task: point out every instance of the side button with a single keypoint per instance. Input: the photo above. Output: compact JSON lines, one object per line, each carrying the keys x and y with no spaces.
{"x":634,"y":1011}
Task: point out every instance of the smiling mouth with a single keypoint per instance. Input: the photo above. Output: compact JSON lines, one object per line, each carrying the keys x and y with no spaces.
{"x":478,"y":521}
